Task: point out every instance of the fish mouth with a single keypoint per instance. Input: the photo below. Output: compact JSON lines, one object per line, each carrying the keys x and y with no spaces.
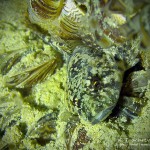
{"x":102,"y":115}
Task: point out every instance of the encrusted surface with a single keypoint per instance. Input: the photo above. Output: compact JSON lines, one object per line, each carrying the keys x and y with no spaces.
{"x":20,"y":110}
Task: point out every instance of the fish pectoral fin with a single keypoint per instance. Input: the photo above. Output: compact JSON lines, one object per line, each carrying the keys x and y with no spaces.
{"x":30,"y":77}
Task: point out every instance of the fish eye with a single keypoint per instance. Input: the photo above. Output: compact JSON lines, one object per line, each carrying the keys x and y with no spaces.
{"x":95,"y":83}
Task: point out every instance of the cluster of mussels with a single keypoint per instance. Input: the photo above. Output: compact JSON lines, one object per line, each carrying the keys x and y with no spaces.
{"x":102,"y":49}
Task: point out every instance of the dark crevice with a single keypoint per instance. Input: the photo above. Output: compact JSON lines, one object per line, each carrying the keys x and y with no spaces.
{"x":137,"y":67}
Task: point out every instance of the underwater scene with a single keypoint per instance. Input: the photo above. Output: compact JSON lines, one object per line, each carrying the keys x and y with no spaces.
{"x":74,"y":75}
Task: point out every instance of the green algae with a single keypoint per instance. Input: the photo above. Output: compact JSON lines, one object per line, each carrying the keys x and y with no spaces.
{"x":23,"y":109}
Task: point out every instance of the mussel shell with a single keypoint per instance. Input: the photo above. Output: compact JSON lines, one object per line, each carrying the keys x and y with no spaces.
{"x":137,"y":83}
{"x":70,"y":19}
{"x":46,"y":8}
{"x":44,"y":130}
{"x":131,"y":106}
